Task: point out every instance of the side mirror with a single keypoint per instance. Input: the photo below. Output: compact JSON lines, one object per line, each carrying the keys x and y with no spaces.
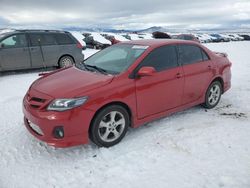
{"x":2,"y":45}
{"x":146,"y":71}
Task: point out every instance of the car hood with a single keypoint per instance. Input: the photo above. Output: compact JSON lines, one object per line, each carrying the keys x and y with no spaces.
{"x":70,"y":82}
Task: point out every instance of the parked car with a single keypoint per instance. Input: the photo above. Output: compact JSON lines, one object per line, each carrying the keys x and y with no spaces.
{"x":126,"y":36}
{"x":245,"y":36}
{"x":227,"y":38}
{"x":204,"y":38}
{"x":211,"y":38}
{"x":80,"y":38}
{"x":134,"y":36}
{"x":114,"y":38}
{"x":96,"y":40}
{"x":161,"y":35}
{"x":230,"y":37}
{"x":28,"y":49}
{"x":186,"y":37}
{"x":125,"y":85}
{"x":219,"y":38}
{"x":236,"y":37}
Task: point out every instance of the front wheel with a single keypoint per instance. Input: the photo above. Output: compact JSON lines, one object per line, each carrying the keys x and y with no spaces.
{"x":109,"y":126}
{"x":213,"y":95}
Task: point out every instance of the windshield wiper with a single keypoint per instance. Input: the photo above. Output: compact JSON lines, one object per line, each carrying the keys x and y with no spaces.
{"x":101,"y":70}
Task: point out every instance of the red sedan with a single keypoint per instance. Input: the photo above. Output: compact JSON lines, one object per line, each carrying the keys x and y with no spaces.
{"x":125,"y":85}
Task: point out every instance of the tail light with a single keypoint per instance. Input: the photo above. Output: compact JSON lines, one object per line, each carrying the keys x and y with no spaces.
{"x":79,"y":45}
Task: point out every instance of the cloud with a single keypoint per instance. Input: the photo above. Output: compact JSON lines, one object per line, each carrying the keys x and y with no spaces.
{"x":125,"y":14}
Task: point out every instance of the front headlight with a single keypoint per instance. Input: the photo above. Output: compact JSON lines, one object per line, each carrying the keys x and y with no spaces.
{"x":66,"y":104}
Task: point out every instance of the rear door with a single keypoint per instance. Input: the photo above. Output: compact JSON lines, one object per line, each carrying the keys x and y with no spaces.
{"x":197,"y":69}
{"x":163,"y":90}
{"x":50,"y":49}
{"x":37,"y":58}
{"x":14,"y":52}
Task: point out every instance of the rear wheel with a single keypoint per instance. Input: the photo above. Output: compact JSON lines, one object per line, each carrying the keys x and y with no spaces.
{"x":213,"y":95}
{"x":109,"y":126}
{"x":66,"y":61}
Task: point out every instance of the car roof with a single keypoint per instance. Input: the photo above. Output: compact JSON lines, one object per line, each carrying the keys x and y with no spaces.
{"x":158,"y":42}
{"x":34,"y":31}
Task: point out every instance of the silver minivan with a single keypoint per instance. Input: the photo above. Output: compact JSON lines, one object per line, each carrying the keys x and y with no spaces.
{"x":30,"y":49}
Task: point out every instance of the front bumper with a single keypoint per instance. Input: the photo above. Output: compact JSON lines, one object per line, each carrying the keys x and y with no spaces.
{"x":75,"y":124}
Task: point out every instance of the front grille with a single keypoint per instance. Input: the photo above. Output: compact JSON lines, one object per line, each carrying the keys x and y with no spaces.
{"x":36,"y":102}
{"x":34,"y":106}
{"x":38,"y":99}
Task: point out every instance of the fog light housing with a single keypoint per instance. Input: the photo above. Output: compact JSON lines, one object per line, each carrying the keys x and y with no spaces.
{"x":58,"y":132}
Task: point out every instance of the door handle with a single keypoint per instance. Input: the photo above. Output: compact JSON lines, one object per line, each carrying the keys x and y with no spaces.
{"x":178,"y":75}
{"x":209,"y":67}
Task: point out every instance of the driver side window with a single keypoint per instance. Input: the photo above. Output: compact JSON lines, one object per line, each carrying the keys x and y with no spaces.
{"x":161,"y":58}
{"x":14,"y":41}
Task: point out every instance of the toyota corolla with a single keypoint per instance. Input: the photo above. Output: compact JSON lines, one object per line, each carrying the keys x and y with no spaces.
{"x":125,"y":85}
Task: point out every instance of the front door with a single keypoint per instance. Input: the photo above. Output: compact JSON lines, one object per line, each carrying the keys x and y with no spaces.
{"x":164,"y":89}
{"x":14,"y":52}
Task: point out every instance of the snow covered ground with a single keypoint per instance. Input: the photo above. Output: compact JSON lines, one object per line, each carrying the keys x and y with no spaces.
{"x":196,"y":148}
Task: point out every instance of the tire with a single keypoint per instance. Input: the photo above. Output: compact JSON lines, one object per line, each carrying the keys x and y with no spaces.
{"x":66,"y":61}
{"x":109,"y":126}
{"x":213,"y":95}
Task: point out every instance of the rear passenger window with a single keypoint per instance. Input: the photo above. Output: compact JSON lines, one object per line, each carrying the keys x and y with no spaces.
{"x":42,"y":39}
{"x":64,"y":39}
{"x":48,"y":39}
{"x":35,"y":39}
{"x":189,"y":54}
{"x":204,"y":55}
{"x":161,"y":58}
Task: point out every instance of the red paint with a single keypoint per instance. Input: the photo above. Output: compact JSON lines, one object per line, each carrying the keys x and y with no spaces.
{"x":151,"y":96}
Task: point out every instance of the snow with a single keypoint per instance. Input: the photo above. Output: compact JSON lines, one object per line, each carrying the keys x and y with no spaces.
{"x":134,"y":36}
{"x":118,"y":37}
{"x":98,"y":37}
{"x":190,"y":149}
{"x":146,"y":35}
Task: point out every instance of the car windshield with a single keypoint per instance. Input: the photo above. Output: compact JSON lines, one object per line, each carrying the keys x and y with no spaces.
{"x":115,"y":59}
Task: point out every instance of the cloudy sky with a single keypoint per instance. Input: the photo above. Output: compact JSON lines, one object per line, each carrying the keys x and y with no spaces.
{"x":126,"y":14}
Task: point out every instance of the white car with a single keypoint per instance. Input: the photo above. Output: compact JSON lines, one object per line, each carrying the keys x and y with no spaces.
{"x":236,"y":37}
{"x":204,"y":38}
{"x":227,"y":37}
